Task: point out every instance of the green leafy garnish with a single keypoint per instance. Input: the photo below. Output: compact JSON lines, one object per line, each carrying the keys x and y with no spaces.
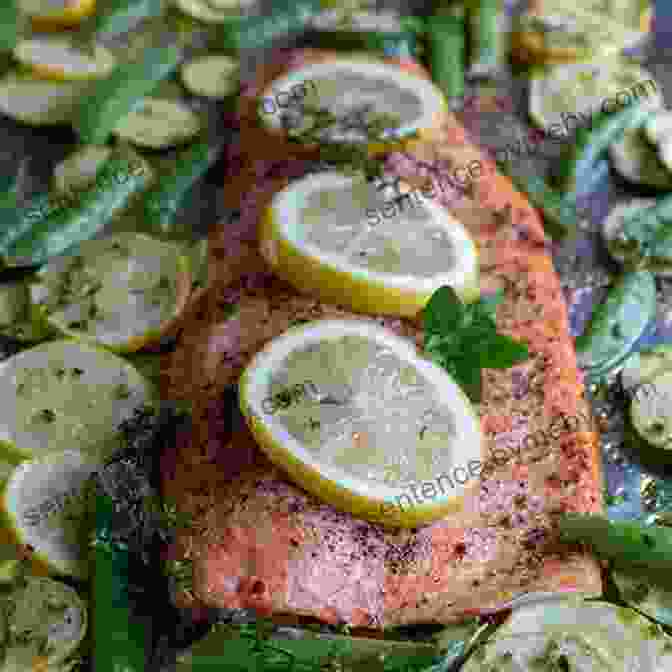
{"x":463,"y":338}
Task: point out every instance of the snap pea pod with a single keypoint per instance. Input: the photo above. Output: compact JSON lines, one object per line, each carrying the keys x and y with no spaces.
{"x":119,"y":640}
{"x":623,"y":541}
{"x":119,"y":17}
{"x":114,"y":97}
{"x":446,"y":45}
{"x":56,"y":222}
{"x":162,"y":201}
{"x":485,"y":38}
{"x":619,"y":321}
{"x":257,"y":32}
{"x":590,"y":145}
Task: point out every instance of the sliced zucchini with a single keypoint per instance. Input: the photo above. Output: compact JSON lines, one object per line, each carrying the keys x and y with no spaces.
{"x":39,"y":102}
{"x":65,"y":395}
{"x":621,"y":250}
{"x":119,"y":291}
{"x":159,"y":124}
{"x":638,"y":162}
{"x":651,"y":411}
{"x":574,"y":635}
{"x":665,"y":152}
{"x":49,"y":504}
{"x":47,"y":623}
{"x":642,"y":367}
{"x":658,"y":127}
{"x":212,"y":76}
{"x":207,"y":12}
{"x":79,"y":170}
{"x":60,"y":60}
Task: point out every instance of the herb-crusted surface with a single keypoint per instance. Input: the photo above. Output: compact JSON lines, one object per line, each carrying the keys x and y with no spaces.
{"x":258,"y":541}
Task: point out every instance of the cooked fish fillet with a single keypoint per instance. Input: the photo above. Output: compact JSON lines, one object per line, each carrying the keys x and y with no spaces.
{"x":259,"y":541}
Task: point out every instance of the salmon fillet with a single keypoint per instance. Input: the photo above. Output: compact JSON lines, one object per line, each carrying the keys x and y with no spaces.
{"x":259,"y":541}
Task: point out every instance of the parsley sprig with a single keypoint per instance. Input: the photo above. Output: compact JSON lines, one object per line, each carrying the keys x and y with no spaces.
{"x":463,"y":338}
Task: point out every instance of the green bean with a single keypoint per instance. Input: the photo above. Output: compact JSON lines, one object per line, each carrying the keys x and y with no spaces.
{"x":446,"y":45}
{"x":626,"y":542}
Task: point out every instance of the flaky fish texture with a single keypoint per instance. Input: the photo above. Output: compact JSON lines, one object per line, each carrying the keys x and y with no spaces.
{"x":259,"y":541}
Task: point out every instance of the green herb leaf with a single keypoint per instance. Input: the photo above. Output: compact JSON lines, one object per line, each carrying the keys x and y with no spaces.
{"x":463,"y":339}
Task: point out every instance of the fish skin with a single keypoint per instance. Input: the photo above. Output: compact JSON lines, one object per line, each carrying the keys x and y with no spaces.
{"x":259,"y":541}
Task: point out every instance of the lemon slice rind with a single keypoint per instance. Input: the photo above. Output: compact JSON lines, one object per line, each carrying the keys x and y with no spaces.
{"x":57,"y":59}
{"x":337,"y":280}
{"x":433,"y":103}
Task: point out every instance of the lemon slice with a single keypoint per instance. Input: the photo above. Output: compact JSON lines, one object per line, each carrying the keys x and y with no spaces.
{"x":357,"y":417}
{"x":159,"y":124}
{"x":57,"y":14}
{"x":59,"y":60}
{"x":79,"y":170}
{"x":123,"y":291}
{"x":64,"y":395}
{"x":572,"y":94}
{"x":46,"y":504}
{"x":47,"y":622}
{"x":39,"y":102}
{"x":330,"y":234}
{"x":211,"y":76}
{"x":353,"y":90}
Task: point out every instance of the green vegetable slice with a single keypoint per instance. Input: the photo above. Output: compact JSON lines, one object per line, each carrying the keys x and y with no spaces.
{"x":79,"y":170}
{"x":619,"y":321}
{"x":215,"y":76}
{"x":118,"y":291}
{"x":558,"y":635}
{"x":159,"y":124}
{"x":209,"y":11}
{"x":651,"y":411}
{"x":55,"y":222}
{"x":64,"y":395}
{"x":638,"y":162}
{"x":47,"y":623}
{"x":646,"y":365}
{"x":111,"y":99}
{"x":39,"y":102}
